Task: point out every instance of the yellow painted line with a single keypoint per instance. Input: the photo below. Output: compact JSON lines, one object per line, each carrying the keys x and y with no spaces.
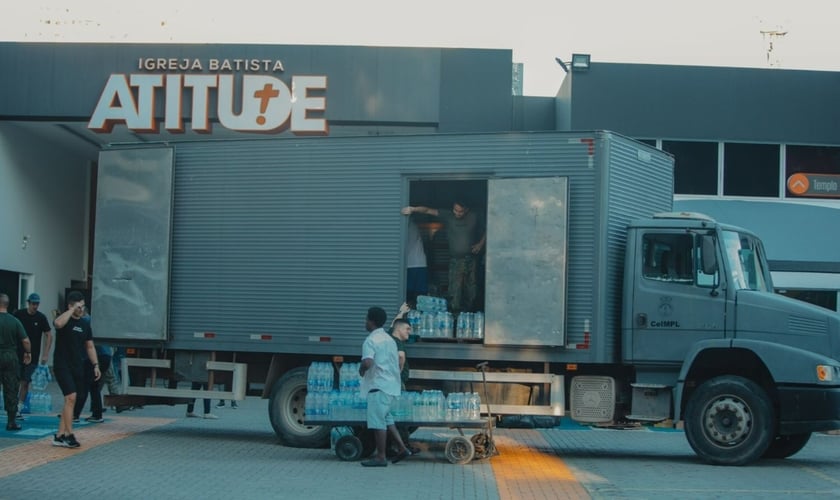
{"x":32,"y":454}
{"x":526,"y":467}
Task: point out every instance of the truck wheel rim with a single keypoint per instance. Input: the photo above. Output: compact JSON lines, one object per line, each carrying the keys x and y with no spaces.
{"x":727,"y":421}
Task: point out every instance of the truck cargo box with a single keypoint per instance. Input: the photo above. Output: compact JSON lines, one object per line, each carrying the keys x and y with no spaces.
{"x":280,"y":245}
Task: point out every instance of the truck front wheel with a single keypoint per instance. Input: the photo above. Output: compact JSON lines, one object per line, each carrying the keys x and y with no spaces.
{"x":286,"y":412}
{"x":729,"y":420}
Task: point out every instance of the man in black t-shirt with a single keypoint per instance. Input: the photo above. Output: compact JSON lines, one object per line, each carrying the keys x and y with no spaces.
{"x":36,"y":325}
{"x":72,"y":337}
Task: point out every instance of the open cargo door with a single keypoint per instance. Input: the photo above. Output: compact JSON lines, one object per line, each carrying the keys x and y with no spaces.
{"x":527,"y":227}
{"x":132,"y":244}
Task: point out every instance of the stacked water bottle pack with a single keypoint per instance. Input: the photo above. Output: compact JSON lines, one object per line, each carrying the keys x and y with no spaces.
{"x":323,"y":402}
{"x":347,"y":403}
{"x":470,"y":326}
{"x":40,"y":401}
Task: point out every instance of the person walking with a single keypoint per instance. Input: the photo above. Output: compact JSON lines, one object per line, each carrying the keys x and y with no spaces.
{"x":73,"y":336}
{"x":380,"y":372}
{"x":38,"y":330}
{"x":12,"y":335}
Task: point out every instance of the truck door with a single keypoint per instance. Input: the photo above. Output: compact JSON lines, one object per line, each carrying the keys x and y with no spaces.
{"x":132,"y":243}
{"x":675,"y":301}
{"x":527,"y":227}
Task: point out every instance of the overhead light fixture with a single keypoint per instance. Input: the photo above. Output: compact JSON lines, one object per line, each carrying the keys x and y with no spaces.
{"x":580,"y":62}
{"x":562,"y":64}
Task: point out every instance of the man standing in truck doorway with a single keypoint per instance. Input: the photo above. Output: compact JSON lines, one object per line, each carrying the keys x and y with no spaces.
{"x":462,"y":229}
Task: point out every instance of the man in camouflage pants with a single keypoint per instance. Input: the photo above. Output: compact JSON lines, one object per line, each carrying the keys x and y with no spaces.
{"x":12,"y":334}
{"x":466,"y":241}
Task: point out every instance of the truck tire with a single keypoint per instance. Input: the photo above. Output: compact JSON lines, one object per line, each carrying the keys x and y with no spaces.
{"x":786,"y":446}
{"x":729,"y":420}
{"x":286,"y":412}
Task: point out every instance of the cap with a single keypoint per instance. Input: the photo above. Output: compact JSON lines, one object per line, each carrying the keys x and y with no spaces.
{"x":34,"y":298}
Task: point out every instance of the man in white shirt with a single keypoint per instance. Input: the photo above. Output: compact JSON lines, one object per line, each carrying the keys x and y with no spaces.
{"x":380,"y":372}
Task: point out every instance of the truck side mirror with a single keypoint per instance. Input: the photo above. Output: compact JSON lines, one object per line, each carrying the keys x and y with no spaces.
{"x":708,"y":255}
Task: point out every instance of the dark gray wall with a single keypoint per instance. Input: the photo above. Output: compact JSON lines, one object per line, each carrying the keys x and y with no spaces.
{"x":533,"y":113}
{"x":691,"y":102}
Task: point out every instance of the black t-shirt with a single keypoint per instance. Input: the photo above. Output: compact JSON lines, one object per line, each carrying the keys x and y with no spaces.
{"x":35,"y":325}
{"x":70,"y":341}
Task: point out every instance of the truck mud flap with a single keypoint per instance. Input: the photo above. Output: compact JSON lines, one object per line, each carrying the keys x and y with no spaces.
{"x":528,"y":422}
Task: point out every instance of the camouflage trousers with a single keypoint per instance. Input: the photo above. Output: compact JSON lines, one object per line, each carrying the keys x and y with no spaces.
{"x":10,"y":379}
{"x":462,"y":286}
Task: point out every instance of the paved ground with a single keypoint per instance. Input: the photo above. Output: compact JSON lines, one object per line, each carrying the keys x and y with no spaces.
{"x":157,"y":453}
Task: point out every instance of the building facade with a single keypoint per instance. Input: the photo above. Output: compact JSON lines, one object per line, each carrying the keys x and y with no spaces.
{"x":757,"y":148}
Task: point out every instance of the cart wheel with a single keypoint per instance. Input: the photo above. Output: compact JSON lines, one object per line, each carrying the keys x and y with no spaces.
{"x":368,"y":441}
{"x":459,"y":450}
{"x":348,"y":448}
{"x":481,"y":443}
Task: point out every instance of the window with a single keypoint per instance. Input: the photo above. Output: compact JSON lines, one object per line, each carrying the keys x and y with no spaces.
{"x":668,"y":257}
{"x":823,"y":160}
{"x":750,"y":169}
{"x":822,"y":298}
{"x":695,"y":166}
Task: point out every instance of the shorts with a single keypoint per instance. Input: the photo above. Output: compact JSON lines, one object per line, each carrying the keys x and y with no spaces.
{"x":26,"y":371}
{"x":69,"y":381}
{"x":379,"y":410}
{"x":417,"y":281}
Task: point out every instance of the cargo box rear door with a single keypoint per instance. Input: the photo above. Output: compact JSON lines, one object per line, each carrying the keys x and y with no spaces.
{"x":132,"y":244}
{"x":525,"y":287}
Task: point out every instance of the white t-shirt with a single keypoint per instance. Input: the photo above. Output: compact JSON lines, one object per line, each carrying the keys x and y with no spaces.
{"x":415,"y":255}
{"x":385,"y":373}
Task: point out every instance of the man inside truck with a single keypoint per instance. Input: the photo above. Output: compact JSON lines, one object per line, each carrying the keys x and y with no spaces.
{"x":466,"y":241}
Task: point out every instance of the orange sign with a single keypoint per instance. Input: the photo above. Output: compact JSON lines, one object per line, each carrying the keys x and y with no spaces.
{"x":814,"y":185}
{"x":798,"y":184}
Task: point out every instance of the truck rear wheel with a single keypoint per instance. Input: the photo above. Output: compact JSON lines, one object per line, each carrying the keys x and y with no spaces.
{"x":786,"y":446}
{"x":729,"y":420}
{"x":286,"y":412}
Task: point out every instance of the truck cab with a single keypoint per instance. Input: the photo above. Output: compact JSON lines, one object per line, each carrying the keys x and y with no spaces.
{"x":751,"y":373}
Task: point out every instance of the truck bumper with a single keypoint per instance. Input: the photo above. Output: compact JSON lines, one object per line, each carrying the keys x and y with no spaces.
{"x":808,"y":409}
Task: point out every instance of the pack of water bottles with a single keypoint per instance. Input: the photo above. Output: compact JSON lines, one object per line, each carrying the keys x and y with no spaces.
{"x":428,"y":303}
{"x":470,"y":326}
{"x":40,"y":378}
{"x":324,"y":402}
{"x":40,"y":402}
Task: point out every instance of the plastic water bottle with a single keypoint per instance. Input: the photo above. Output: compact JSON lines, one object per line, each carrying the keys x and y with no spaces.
{"x":309,"y":410}
{"x":459,"y":326}
{"x":312,"y":378}
{"x":47,"y":403}
{"x":474,"y":406}
{"x":478,"y":325}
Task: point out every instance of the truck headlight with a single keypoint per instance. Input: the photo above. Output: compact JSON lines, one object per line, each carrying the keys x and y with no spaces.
{"x":825,"y":373}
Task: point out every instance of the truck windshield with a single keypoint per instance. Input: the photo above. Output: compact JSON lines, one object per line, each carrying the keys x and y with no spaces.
{"x":746,"y":262}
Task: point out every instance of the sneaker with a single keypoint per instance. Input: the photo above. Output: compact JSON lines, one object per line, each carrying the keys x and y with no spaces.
{"x":233,"y":405}
{"x":210,"y":416}
{"x":19,"y":416}
{"x":75,"y":420}
{"x":220,"y":404}
{"x":191,"y":414}
{"x":59,"y":441}
{"x":95,"y":420}
{"x":71,"y":441}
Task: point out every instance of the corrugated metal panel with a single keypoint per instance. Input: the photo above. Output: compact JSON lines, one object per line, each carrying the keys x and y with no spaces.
{"x":640,"y":184}
{"x":295,"y":238}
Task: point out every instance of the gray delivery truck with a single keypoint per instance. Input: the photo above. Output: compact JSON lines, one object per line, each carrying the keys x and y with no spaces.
{"x":243,"y":261}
